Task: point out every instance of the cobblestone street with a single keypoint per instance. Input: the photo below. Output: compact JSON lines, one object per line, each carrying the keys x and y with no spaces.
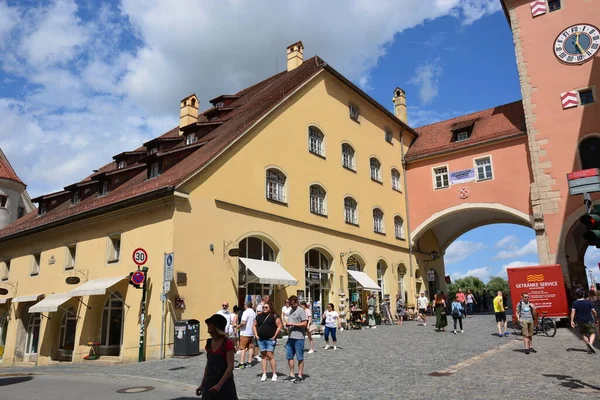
{"x":392,"y":362}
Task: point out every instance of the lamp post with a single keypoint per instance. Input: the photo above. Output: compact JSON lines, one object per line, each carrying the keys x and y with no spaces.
{"x":141,"y":356}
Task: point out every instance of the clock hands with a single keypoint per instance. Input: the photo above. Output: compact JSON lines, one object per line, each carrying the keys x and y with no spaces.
{"x":577,"y":43}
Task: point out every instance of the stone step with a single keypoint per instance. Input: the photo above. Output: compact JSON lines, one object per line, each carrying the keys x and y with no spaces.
{"x":24,"y":364}
{"x":111,"y":360}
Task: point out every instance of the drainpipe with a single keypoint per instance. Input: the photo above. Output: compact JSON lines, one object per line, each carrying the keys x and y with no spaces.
{"x":410,"y":247}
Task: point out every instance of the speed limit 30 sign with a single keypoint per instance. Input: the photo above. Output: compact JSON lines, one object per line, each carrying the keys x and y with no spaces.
{"x":140,"y":257}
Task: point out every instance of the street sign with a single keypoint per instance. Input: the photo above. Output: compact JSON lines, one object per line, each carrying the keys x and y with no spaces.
{"x":167,"y":286}
{"x":137,"y":277}
{"x":584,"y":181}
{"x":169,"y":260}
{"x":584,"y":189}
{"x":140,"y":257}
{"x":72,"y":280}
{"x":586,"y":173}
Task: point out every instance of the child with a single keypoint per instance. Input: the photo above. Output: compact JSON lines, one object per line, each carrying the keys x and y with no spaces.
{"x":217,"y":382}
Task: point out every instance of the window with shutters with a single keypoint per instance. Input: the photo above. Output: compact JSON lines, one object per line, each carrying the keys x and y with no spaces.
{"x":440,"y":176}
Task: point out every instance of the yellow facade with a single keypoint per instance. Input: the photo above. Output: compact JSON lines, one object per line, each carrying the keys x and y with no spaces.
{"x":214,"y":210}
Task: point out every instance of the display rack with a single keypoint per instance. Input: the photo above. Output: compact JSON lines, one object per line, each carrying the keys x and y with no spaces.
{"x":342,"y":311}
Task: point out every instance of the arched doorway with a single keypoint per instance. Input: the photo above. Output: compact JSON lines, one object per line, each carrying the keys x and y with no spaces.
{"x":589,"y":152}
{"x":317,"y":277}
{"x":401,"y":274}
{"x":255,"y":248}
{"x":354,"y":289}
{"x":381,"y":271}
{"x":111,"y":336}
{"x":66,"y":339}
{"x":3,"y":330}
{"x":432,"y":281}
{"x":418,"y":282}
{"x":33,"y":336}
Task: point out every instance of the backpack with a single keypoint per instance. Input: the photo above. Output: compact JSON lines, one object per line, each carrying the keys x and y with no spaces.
{"x":455,"y":311}
{"x":520,"y":308}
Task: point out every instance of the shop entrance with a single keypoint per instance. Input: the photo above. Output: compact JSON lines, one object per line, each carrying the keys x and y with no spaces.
{"x":66,"y":340}
{"x":401,"y":274}
{"x":253,"y":248}
{"x":112,"y":326}
{"x":354,"y":289}
{"x":381,"y":270}
{"x":318,"y":283}
{"x":33,"y":337}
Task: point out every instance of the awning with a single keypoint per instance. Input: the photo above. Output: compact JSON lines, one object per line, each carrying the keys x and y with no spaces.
{"x":96,"y":286}
{"x":50,"y":303}
{"x":365,"y":281}
{"x":25,"y":299}
{"x":4,"y":300}
{"x":269,"y":272}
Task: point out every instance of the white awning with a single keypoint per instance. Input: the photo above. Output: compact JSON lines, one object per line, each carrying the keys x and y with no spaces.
{"x":96,"y":286}
{"x":25,"y":299}
{"x":4,"y":300}
{"x":269,"y":272}
{"x":50,"y":303}
{"x":365,"y":281}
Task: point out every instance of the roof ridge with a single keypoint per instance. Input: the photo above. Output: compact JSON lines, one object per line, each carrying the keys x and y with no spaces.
{"x":9,"y":172}
{"x":470,"y":114}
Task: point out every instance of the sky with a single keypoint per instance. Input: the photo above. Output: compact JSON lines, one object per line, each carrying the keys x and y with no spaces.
{"x":81,"y":81}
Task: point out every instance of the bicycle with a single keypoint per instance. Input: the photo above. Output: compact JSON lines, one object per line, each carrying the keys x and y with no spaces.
{"x":546,"y":325}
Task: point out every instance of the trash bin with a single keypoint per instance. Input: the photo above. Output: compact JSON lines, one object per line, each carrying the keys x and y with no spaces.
{"x":187,"y":338}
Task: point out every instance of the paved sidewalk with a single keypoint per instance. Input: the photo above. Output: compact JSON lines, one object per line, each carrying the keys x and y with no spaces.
{"x":392,"y":361}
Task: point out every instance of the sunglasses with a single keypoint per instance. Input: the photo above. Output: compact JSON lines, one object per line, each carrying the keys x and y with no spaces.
{"x":225,"y":305}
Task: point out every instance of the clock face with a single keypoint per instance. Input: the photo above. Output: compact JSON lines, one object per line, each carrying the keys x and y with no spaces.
{"x":577,"y":44}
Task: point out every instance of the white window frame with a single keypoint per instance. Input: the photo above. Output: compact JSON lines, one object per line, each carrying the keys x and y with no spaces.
{"x":75,"y":197}
{"x":491,"y":164}
{"x":153,"y":150}
{"x":318,"y":203}
{"x":69,"y":315}
{"x":435,"y":175}
{"x":375,"y":169}
{"x":351,"y":213}
{"x":36,"y":262}
{"x":5,"y":270}
{"x":35,"y":320}
{"x":349,"y":160}
{"x":154,"y":170}
{"x":104,"y":189}
{"x":316,"y":141}
{"x":106,"y":328}
{"x":354,"y":112}
{"x":396,"y":182}
{"x":113,"y":249}
{"x":388,"y":135}
{"x":71,"y":256}
{"x":191,"y":139}
{"x":378,"y":221}
{"x":122,"y":164}
{"x":3,"y":201}
{"x":381,"y":269}
{"x":42,"y":209}
{"x":399,"y":228}
{"x":275,"y":185}
{"x":462,"y":136}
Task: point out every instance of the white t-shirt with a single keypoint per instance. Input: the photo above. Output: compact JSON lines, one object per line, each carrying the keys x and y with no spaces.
{"x":285,"y":312}
{"x":330,"y":319}
{"x":469,"y":298}
{"x":422,"y":302}
{"x":227,"y":315}
{"x":248,"y":316}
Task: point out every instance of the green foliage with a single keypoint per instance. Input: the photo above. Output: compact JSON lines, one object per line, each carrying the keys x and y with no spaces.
{"x":469,"y":282}
{"x":497,"y":283}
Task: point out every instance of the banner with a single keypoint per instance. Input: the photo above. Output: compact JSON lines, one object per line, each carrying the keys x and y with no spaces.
{"x":545,"y":286}
{"x":462,"y":176}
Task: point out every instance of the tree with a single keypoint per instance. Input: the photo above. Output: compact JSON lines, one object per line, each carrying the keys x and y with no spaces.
{"x":497,"y":283}
{"x":467,"y":283}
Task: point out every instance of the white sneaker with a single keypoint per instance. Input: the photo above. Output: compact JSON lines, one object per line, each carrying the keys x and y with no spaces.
{"x":374,"y":327}
{"x":454,"y":331}
{"x":311,"y":351}
{"x":263,"y":378}
{"x":335,"y":347}
{"x":238,"y":352}
{"x":258,"y":358}
{"x":461,"y":331}
{"x":424,"y":323}
{"x":326,"y":347}
{"x":274,"y":378}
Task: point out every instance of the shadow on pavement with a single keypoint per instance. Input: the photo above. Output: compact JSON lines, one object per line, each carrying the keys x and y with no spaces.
{"x":572,"y":383}
{"x":14,"y":380}
{"x":519,"y":350}
{"x":577,"y":350}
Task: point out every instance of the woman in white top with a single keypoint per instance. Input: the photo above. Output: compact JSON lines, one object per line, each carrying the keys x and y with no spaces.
{"x":332,"y":322}
{"x":311,"y":327}
{"x":285,"y":311}
{"x":470,"y":303}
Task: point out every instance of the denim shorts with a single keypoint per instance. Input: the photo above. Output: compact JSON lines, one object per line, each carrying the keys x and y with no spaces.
{"x":267,"y":345}
{"x":294,"y":347}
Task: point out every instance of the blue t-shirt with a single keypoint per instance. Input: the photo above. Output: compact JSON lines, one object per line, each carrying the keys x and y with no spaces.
{"x":583,"y":311}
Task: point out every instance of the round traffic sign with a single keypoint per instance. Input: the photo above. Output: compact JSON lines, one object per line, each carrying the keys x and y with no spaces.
{"x":140,"y":257}
{"x":137,"y":277}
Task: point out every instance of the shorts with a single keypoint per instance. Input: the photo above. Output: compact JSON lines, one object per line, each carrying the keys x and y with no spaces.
{"x":527,"y":328}
{"x":246,"y":342}
{"x":294,"y":347}
{"x":422,"y":311}
{"x":501,"y":316}
{"x":587,"y":328}
{"x":267,"y":345}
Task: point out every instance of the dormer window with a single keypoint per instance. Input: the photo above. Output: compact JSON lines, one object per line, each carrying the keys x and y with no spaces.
{"x":214,"y":119}
{"x":122,"y":164}
{"x":462,"y":135}
{"x":191,"y":138}
{"x":220,"y":104}
{"x":153,"y":150}
{"x":154,"y":170}
{"x":461,"y":131}
{"x":104,"y":189}
{"x":42,"y":209}
{"x":75,"y":198}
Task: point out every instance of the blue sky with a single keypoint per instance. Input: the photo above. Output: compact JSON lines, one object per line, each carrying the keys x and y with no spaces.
{"x":82,"y":80}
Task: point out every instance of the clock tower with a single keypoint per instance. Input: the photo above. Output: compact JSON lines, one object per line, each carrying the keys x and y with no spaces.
{"x":557,"y":52}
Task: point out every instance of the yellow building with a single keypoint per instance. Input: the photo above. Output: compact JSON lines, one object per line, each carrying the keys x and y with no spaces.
{"x":292,"y":186}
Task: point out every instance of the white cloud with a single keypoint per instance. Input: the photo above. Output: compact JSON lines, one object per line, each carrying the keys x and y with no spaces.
{"x":515,"y":264}
{"x":482,"y":273}
{"x":591,"y":261}
{"x":419,"y":116}
{"x":460,"y":250}
{"x":508,"y":242}
{"x":83,"y":90}
{"x":528,"y":249}
{"x":427,"y":77}
{"x":476,"y":9}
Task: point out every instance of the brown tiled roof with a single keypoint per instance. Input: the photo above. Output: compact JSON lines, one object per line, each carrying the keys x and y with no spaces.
{"x":252,"y":103}
{"x":6,"y":170}
{"x":488,"y":125}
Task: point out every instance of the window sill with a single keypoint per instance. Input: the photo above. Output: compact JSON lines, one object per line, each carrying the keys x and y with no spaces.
{"x":485,"y":179}
{"x":281,"y":203}
{"x":114,"y":261}
{"x":379,"y":233}
{"x":441,"y":188}
{"x":397,"y":189}
{"x":401,"y":238}
{"x":318,"y":214}
{"x":349,"y":168}
{"x":69,"y":268}
{"x":356,"y":120}
{"x":377,"y":180}
{"x":4,"y":278}
{"x":32,"y":275}
{"x":352,"y":223}
{"x":321,"y":156}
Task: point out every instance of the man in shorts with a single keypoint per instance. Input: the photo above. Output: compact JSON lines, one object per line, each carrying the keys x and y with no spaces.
{"x":247,"y":335}
{"x":422,"y":304}
{"x":525,"y":313}
{"x":500,"y":312}
{"x":586,"y":317}
{"x":296,"y":325}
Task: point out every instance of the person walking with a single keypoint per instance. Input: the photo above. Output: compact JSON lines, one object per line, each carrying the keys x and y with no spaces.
{"x":311,"y":327}
{"x":247,"y":335}
{"x":457,"y":312}
{"x":526,"y":316}
{"x":294,"y":347}
{"x":285,"y":311}
{"x":400,"y":309}
{"x":236,"y":317}
{"x":586,"y":317}
{"x":461,"y":297}
{"x":595,"y":300}
{"x":332,"y":322}
{"x":263,"y":301}
{"x":470,"y":303}
{"x":500,"y":313}
{"x":217,"y":382}
{"x":224,"y":311}
{"x":266,"y":330}
{"x":422,"y":304}
{"x":371,"y":303}
{"x":439,"y":305}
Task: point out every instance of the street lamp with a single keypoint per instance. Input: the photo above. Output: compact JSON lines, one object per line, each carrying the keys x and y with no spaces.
{"x":434,"y":255}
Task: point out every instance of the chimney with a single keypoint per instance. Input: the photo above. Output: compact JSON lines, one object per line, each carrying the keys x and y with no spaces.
{"x":189,"y":111}
{"x":400,"y":105}
{"x":295,"y":56}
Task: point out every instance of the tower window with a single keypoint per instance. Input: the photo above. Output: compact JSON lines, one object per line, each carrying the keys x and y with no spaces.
{"x":3,"y":201}
{"x":586,"y":96}
{"x":553,"y":5}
